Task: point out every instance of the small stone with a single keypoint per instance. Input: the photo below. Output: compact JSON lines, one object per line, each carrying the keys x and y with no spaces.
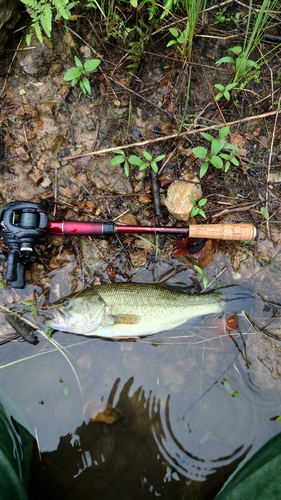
{"x":138,"y":259}
{"x":35,"y":177}
{"x":46,"y":182}
{"x":144,"y":199}
{"x":177,"y":200}
{"x":22,"y":154}
{"x":86,"y":51}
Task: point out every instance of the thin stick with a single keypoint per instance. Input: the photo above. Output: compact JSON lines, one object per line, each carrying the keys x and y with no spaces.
{"x":268,"y":169}
{"x":174,"y":136}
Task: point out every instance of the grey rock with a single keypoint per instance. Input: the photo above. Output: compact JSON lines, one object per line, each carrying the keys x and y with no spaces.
{"x":38,"y":60}
{"x":108,"y":178}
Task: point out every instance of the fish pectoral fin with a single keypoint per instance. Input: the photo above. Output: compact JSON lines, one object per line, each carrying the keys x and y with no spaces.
{"x":124,"y":319}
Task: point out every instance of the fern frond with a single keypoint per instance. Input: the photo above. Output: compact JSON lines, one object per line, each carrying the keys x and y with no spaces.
{"x":38,"y":31}
{"x":46,"y":19}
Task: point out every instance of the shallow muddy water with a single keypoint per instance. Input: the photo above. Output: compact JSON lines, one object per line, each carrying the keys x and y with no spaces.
{"x":190,"y":409}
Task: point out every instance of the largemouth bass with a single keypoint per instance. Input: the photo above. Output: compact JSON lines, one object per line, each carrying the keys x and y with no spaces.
{"x":127,"y":310}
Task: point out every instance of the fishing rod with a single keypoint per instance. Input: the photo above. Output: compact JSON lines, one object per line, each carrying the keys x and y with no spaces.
{"x":24,"y":224}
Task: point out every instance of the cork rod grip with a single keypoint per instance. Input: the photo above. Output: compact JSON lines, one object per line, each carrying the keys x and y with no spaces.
{"x":223,"y":231}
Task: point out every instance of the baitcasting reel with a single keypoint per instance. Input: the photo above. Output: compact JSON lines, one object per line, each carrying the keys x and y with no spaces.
{"x":22,"y":226}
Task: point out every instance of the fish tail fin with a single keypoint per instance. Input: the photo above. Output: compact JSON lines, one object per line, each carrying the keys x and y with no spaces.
{"x":237,"y":298}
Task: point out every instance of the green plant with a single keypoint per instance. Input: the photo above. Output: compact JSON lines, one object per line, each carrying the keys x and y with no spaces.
{"x":197,"y":207}
{"x":216,"y":155}
{"x":78,"y":74}
{"x":148,"y":161}
{"x":184,"y":39}
{"x":180,"y":38}
{"x":33,"y":305}
{"x":222,"y":17}
{"x":265,"y":213}
{"x":224,"y":90}
{"x":243,"y":63}
{"x":122,"y":158}
{"x":202,"y":274}
{"x":226,"y":384}
{"x":41,"y":13}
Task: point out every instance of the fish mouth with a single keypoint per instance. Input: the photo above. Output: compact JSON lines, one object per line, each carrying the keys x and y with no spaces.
{"x":60,"y":318}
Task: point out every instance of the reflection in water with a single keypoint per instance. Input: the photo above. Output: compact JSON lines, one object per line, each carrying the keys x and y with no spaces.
{"x":138,"y":456}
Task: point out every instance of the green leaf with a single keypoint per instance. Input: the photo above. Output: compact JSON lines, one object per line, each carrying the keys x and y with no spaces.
{"x":28,"y":39}
{"x":194,"y":211}
{"x":85,"y":82}
{"x":219,"y":86}
{"x":227,"y":166}
{"x":216,"y":147}
{"x":38,"y":31}
{"x":119,"y":152}
{"x":235,"y":161}
{"x":134,"y":3}
{"x":199,"y":270}
{"x":147,"y":155}
{"x":209,"y":137}
{"x":200,"y":152}
{"x":135,"y":160}
{"x":181,"y":38}
{"x":226,"y":95}
{"x":203,"y":169}
{"x":154,"y":166}
{"x":71,"y":74}
{"x":226,"y":59}
{"x":91,"y":64}
{"x":252,"y":64}
{"x":223,"y":132}
{"x":278,"y":419}
{"x":159,"y":158}
{"x":34,"y":310}
{"x":127,"y":168}
{"x":216,"y":161}
{"x":117,"y":160}
{"x":46,"y":19}
{"x":171,"y":42}
{"x":193,"y":201}
{"x":202,"y":213}
{"x":48,"y":331}
{"x":144,"y":165}
{"x":202,"y":202}
{"x":264,"y":211}
{"x":78,"y":63}
{"x":205,"y":280}
{"x":236,"y":50}
{"x":218,"y":96}
{"x":231,"y":86}
{"x":174,"y":32}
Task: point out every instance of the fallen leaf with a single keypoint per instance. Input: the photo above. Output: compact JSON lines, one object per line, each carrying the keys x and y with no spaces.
{"x":207,"y":253}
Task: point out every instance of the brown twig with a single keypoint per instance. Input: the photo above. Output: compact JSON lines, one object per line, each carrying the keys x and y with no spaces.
{"x":174,"y":136}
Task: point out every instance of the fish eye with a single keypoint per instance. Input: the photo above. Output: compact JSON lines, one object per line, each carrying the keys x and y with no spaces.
{"x":66,"y":302}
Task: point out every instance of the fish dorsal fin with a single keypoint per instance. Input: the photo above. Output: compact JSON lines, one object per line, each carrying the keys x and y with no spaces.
{"x":125,"y":319}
